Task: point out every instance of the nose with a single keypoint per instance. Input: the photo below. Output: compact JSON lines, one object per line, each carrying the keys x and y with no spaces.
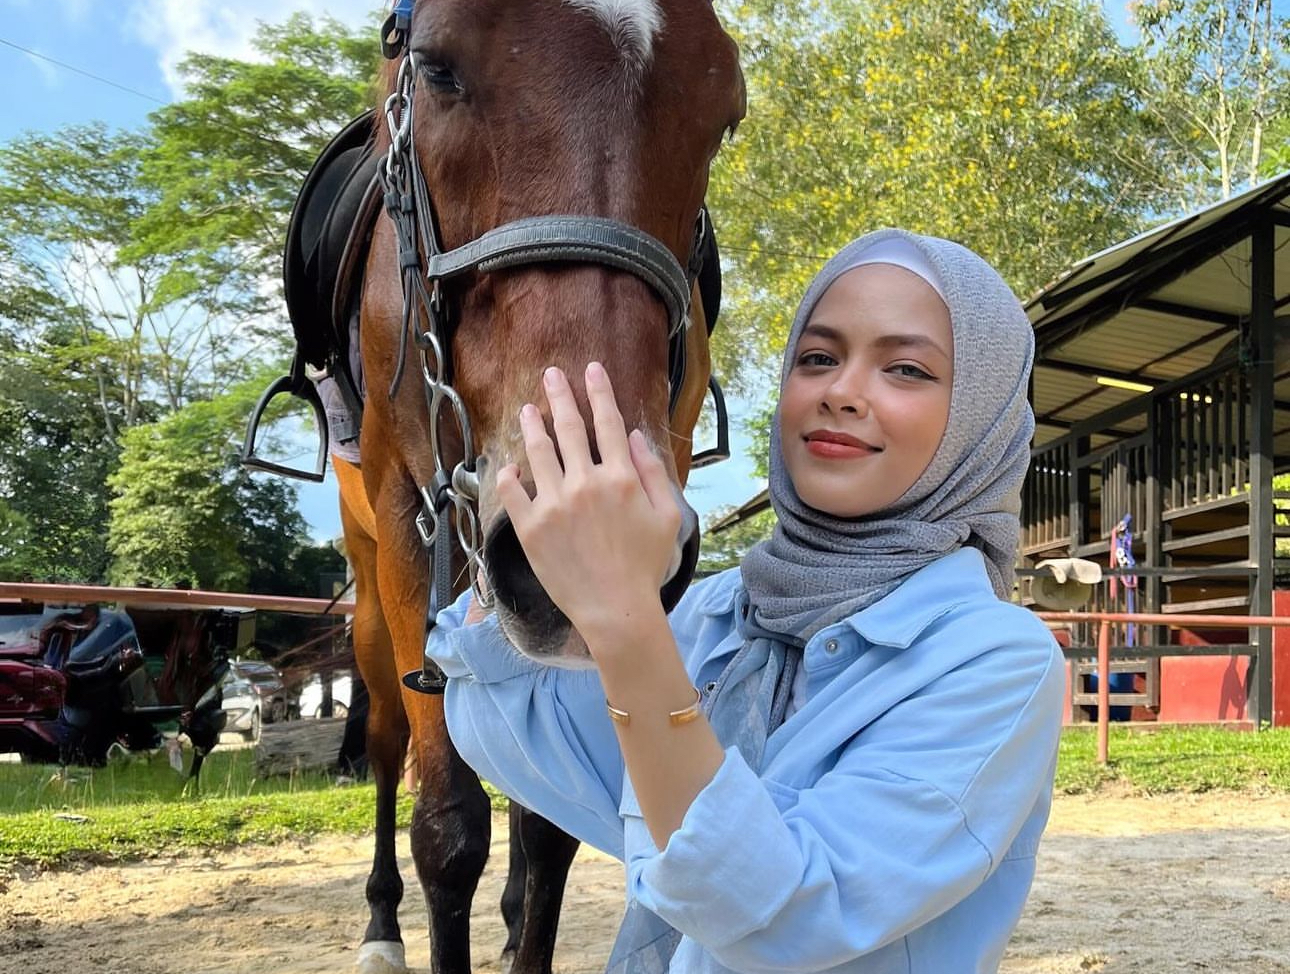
{"x":847,"y":393}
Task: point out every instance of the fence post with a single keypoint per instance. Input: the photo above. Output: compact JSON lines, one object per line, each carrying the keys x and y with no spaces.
{"x":1103,"y":691}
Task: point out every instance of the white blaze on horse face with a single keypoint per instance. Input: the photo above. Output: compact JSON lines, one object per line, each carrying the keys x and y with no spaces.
{"x":632,"y":25}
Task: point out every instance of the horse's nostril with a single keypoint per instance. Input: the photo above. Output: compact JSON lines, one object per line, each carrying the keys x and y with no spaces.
{"x":515,"y":587}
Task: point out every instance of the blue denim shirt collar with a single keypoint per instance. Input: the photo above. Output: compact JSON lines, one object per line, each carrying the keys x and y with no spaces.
{"x":901,"y":616}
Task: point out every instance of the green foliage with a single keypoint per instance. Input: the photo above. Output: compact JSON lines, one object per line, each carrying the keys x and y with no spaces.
{"x":1176,"y":759}
{"x":727,"y":548}
{"x":1010,"y":126}
{"x":54,"y":458}
{"x":1219,"y":84}
{"x":228,"y":160}
{"x":184,"y":514}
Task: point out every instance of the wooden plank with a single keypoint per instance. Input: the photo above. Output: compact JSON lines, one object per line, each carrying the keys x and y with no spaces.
{"x":1157,"y":651}
{"x":293,"y":746}
{"x":170,"y":598}
{"x":1207,"y":605}
{"x":1209,"y":537}
{"x":1211,"y":505}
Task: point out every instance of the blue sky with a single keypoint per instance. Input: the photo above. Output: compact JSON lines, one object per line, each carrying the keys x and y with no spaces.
{"x":135,"y":45}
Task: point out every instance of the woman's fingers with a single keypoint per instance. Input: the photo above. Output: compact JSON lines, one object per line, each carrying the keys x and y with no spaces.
{"x":653,"y":475}
{"x":510,"y":491}
{"x":611,"y":436}
{"x":543,"y":462}
{"x":570,"y":431}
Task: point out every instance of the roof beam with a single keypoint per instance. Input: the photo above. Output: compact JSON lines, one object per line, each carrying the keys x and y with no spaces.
{"x":1169,"y":267}
{"x":1175,"y":310}
{"x":1093,"y":371}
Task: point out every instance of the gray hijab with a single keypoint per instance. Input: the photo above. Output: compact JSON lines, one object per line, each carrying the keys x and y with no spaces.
{"x":817,"y":569}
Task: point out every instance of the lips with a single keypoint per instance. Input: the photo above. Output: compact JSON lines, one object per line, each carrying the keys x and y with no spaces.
{"x":832,"y":445}
{"x":842,"y":439}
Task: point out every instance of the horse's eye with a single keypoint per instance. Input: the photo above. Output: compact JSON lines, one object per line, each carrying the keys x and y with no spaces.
{"x":441,"y":79}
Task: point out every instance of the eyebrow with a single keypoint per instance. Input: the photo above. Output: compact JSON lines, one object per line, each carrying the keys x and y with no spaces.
{"x":829,"y":333}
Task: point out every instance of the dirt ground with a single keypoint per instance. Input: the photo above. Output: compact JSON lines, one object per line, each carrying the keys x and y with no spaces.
{"x":1125,"y":884}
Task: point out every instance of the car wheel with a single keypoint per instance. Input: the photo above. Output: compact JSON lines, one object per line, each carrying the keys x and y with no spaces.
{"x":254,"y":733}
{"x":339,"y":710}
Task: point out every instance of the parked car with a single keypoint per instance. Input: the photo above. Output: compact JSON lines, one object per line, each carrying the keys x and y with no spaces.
{"x":341,"y":695}
{"x":75,"y":681}
{"x":255,"y":694}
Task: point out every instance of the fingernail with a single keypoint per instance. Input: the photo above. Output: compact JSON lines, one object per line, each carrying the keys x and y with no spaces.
{"x":527,"y":411}
{"x":595,"y":372}
{"x":551,"y":376}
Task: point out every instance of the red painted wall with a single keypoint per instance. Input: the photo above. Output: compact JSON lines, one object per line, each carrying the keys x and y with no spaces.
{"x":1281,"y":662}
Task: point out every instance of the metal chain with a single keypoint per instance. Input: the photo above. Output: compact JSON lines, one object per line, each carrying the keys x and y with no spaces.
{"x":399,"y":177}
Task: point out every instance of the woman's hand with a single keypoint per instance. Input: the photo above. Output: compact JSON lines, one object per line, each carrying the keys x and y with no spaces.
{"x":599,"y":536}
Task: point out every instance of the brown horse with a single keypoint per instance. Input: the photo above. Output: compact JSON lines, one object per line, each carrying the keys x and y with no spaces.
{"x":599,"y":108}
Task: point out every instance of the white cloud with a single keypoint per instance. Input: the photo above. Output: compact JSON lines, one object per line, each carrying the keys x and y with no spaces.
{"x":225,"y":27}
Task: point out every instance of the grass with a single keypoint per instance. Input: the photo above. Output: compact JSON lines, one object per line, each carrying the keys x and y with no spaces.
{"x":1176,"y":759}
{"x":139,"y":806}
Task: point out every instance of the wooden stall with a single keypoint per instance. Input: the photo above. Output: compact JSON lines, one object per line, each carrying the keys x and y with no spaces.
{"x":1161,"y":392}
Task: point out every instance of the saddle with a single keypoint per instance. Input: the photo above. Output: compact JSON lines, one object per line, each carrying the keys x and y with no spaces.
{"x":328,"y":238}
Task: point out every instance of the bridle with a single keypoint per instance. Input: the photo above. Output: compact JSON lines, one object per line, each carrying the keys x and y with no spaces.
{"x":425,"y":267}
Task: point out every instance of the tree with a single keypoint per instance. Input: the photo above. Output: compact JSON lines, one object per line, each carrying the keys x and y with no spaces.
{"x":727,"y":548}
{"x":229,"y":158}
{"x":1010,"y":126}
{"x":1219,"y":80}
{"x":54,"y":458}
{"x":183,"y":513}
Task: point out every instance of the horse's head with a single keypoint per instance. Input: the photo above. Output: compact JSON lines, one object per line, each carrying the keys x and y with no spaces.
{"x":604,"y":108}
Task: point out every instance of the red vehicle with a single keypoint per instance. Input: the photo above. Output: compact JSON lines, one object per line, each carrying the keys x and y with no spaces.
{"x":74,"y":682}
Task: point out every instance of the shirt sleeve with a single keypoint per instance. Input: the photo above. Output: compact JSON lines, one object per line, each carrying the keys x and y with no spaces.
{"x":539,"y":734}
{"x":896,"y":833}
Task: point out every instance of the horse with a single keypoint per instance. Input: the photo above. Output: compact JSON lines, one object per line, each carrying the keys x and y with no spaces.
{"x":553,"y":157}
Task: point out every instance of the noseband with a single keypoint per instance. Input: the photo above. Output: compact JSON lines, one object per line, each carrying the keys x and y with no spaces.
{"x":425,"y":266}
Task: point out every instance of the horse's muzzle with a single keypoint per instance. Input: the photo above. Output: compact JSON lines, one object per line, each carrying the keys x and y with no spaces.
{"x":533,"y":623}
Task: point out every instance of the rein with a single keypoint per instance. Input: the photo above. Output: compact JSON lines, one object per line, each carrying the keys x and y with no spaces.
{"x":453,"y":492}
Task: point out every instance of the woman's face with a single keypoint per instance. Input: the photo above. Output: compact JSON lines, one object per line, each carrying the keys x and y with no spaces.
{"x":867,"y":396}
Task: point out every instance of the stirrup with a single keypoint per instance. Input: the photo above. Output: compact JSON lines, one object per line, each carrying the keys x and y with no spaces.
{"x":722,"y":450}
{"x":301,"y":390}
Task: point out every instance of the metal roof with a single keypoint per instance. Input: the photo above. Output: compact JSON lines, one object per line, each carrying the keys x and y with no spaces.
{"x":1154,"y":308}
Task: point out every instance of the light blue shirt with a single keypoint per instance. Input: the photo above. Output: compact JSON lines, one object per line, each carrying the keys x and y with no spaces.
{"x":894,"y":822}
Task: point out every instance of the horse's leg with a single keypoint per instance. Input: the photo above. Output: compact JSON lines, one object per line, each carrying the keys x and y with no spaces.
{"x":451,"y":818}
{"x":548,"y":852}
{"x":387,"y":726}
{"x":513,"y":891}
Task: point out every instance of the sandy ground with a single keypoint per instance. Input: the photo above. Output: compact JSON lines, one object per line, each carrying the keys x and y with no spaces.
{"x":1124,"y":884}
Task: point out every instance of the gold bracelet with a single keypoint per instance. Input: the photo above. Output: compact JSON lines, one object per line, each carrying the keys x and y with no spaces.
{"x":676,"y":717}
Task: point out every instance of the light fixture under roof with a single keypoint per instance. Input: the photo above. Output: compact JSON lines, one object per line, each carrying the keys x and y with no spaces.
{"x":1114,"y":383}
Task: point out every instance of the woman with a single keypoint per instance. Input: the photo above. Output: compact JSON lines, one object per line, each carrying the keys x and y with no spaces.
{"x":861,"y":782}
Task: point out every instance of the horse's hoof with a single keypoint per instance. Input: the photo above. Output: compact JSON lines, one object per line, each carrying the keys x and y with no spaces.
{"x":381,"y":957}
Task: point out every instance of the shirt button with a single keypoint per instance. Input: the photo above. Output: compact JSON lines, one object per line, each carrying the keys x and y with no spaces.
{"x":831,"y":646}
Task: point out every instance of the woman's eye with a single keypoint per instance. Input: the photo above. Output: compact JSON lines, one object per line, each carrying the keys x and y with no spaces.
{"x":441,"y":79}
{"x":909,"y":371}
{"x":816,"y":359}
